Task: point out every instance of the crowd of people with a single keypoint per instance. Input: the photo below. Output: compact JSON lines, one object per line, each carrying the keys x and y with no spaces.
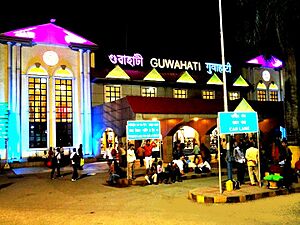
{"x":55,"y":159}
{"x":122,"y":161}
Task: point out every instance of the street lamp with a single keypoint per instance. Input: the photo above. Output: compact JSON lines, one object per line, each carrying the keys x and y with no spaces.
{"x":229,"y":158}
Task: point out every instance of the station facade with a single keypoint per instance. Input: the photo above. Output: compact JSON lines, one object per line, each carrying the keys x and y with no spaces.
{"x":56,"y":97}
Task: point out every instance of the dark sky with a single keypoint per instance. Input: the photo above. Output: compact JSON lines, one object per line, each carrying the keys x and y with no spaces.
{"x":189,"y":30}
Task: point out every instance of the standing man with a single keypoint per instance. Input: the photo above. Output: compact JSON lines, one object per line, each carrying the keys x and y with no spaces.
{"x":130,"y":162}
{"x":148,"y":154}
{"x":240,"y":162}
{"x":252,"y":163}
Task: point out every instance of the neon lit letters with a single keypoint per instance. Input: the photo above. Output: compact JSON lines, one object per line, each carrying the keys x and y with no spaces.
{"x":175,"y":64}
{"x":135,"y":60}
{"x":217,"y":67}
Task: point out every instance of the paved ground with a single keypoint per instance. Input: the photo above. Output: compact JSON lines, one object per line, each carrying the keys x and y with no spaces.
{"x":30,"y":197}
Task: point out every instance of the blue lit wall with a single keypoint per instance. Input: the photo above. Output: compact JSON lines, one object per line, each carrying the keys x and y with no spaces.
{"x":98,"y":127}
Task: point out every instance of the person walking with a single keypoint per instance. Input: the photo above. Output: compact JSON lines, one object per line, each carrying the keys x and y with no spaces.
{"x":130,"y":162}
{"x":75,"y":159}
{"x":56,"y":160}
{"x":252,"y":163}
{"x":80,"y":153}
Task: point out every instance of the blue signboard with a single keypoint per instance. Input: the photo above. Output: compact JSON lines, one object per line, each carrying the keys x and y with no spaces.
{"x":237,"y":122}
{"x":143,"y":129}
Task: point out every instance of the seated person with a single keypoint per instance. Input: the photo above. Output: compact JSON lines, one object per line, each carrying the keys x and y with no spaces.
{"x":115,"y":172}
{"x":202,"y":166}
{"x":161,"y":175}
{"x":175,"y":172}
{"x":151,"y":175}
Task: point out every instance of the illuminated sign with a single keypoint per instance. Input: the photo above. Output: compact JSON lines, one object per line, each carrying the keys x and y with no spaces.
{"x":217,"y":67}
{"x":175,"y":64}
{"x":143,"y":129}
{"x":135,"y":60}
{"x":237,"y":122}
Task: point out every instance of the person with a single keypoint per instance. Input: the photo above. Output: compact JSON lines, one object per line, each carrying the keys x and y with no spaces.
{"x":160,"y":172}
{"x":252,"y":163}
{"x":75,"y":160}
{"x":122,"y":151}
{"x":155,"y":149}
{"x":196,"y":151}
{"x":205,"y":153}
{"x":130,"y":162}
{"x":115,"y":172}
{"x":148,"y":153}
{"x":151,"y":175}
{"x":202,"y":166}
{"x":240,"y":162}
{"x":55,"y":161}
{"x":107,"y":153}
{"x":80,"y":153}
{"x":285,"y":161}
{"x":140,"y":155}
{"x":45,"y":157}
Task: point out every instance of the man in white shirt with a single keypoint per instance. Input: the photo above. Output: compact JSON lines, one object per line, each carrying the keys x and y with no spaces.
{"x":130,"y":162}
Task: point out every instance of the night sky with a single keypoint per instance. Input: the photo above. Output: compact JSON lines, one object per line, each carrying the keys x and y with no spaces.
{"x":189,"y":31}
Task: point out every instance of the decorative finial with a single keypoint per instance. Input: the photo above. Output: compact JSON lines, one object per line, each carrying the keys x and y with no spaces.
{"x":52,"y":20}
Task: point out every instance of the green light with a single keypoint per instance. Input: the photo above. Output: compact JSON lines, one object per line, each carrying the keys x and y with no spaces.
{"x":118,"y":73}
{"x":154,"y":76}
{"x":240,"y":82}
{"x":186,"y":78}
{"x":215,"y":80}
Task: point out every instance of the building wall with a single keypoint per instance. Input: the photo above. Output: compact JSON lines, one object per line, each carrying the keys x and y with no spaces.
{"x":24,"y":58}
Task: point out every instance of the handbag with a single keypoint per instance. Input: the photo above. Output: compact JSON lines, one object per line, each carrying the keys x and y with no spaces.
{"x":81,"y":161}
{"x":49,"y":163}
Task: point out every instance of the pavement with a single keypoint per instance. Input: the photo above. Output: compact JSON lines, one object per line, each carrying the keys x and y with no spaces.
{"x":207,"y":194}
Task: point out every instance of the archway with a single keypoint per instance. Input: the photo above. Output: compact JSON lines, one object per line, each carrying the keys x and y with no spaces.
{"x":187,"y":136}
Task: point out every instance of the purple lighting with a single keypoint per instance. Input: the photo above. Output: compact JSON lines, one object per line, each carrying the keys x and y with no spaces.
{"x":273,"y":62}
{"x":49,"y":34}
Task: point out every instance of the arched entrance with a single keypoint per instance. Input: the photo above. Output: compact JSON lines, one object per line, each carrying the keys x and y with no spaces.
{"x":109,"y":137}
{"x":187,"y":136}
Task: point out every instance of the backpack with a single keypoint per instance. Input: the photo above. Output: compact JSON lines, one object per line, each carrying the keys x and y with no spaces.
{"x":76,"y":159}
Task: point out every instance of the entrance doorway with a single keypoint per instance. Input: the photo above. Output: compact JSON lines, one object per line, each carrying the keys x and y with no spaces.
{"x":186,"y":135}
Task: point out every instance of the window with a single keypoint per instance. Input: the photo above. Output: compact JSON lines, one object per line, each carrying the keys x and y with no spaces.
{"x":179,"y":93}
{"x":37,"y":90}
{"x":261,"y":95}
{"x":112,"y":93}
{"x":273,"y":95}
{"x":233,"y":95}
{"x":207,"y":94}
{"x":149,"y":92}
{"x":64,"y":112}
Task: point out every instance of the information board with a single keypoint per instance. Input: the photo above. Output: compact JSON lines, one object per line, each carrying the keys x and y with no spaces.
{"x":143,"y":129}
{"x":237,"y":122}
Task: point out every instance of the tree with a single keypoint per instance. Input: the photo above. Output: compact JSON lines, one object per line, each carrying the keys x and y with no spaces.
{"x":269,"y":27}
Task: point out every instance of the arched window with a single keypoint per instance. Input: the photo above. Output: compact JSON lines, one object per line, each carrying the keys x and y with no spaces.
{"x":63,"y":78}
{"x":261,"y":91}
{"x":273,"y":92}
{"x":37,"y":102}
